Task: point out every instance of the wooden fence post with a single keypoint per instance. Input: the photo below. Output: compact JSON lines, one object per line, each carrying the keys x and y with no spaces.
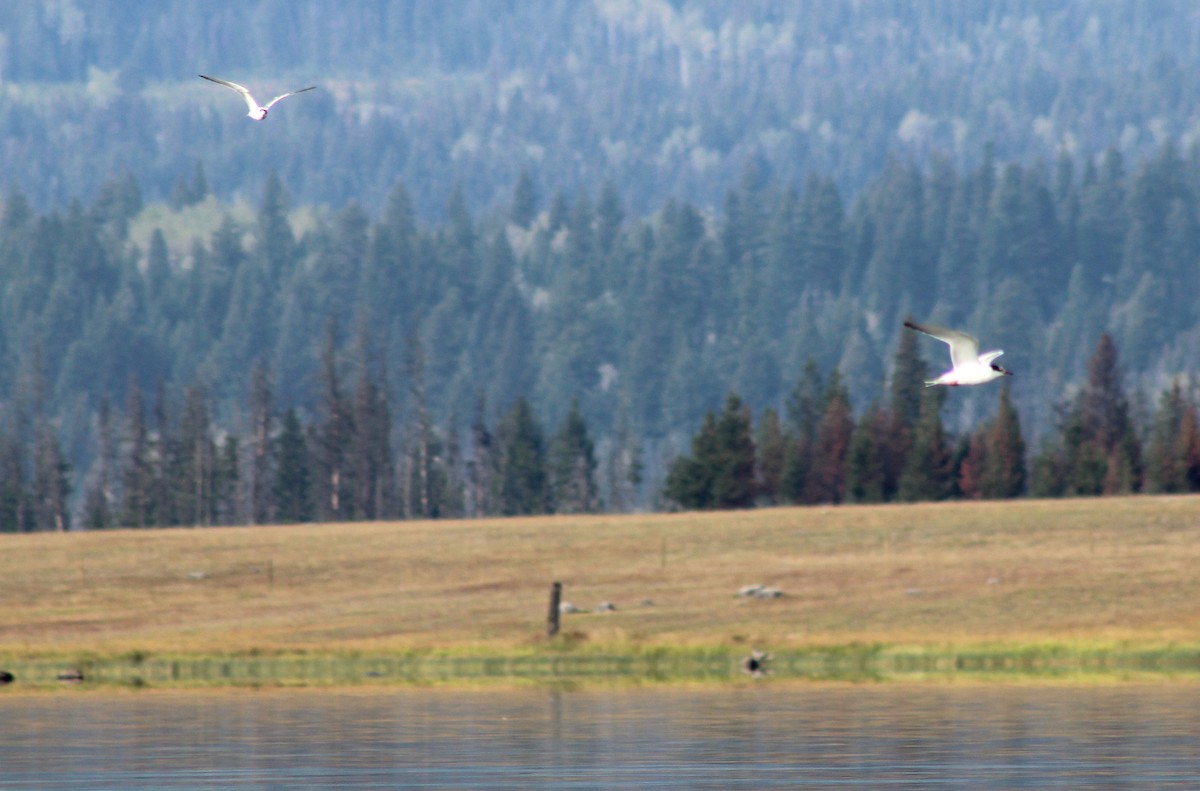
{"x":552,"y":617}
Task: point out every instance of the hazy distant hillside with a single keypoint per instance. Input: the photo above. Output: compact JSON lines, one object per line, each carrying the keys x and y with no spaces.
{"x":664,"y":98}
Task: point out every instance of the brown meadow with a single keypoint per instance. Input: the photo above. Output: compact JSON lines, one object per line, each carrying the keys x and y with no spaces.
{"x":1070,"y":572}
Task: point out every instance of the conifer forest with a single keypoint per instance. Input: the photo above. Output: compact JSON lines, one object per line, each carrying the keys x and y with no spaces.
{"x":558,"y":257}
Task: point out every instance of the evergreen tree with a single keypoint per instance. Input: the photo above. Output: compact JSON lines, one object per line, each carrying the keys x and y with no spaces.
{"x":371,"y":453}
{"x":423,"y":447}
{"x":866,"y":461}
{"x":482,"y":466}
{"x":524,"y":201}
{"x":733,"y":481}
{"x":609,"y":217}
{"x":137,"y":477}
{"x":226,"y":480}
{"x":957,"y":262}
{"x":973,"y":468}
{"x":690,"y":478}
{"x":292,"y":485}
{"x":804,"y":409}
{"x":827,"y":481}
{"x":333,"y":436}
{"x":51,"y":483}
{"x":1188,"y":448}
{"x":1106,"y":423}
{"x":720,"y":472}
{"x":929,"y":465}
{"x":1103,"y":222}
{"x":195,"y":468}
{"x":1164,"y":465}
{"x":1004,"y":465}
{"x":900,"y":270}
{"x":260,"y":476}
{"x":15,"y":516}
{"x":573,"y":466}
{"x":823,"y":218}
{"x":908,"y":404}
{"x":771,"y":444}
{"x":522,"y":486}
{"x":100,"y":499}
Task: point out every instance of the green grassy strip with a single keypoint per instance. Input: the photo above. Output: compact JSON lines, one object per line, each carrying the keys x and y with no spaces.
{"x":856,"y":663}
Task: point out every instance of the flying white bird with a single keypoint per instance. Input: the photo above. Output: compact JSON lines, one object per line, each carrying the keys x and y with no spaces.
{"x":256,"y":112}
{"x":970,"y":367}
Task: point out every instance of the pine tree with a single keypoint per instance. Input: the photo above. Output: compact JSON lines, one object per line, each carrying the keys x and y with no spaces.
{"x":866,"y":463}
{"x":826,"y":254}
{"x":226,"y":479}
{"x":292,"y":485}
{"x":929,"y":465}
{"x":371,"y":453}
{"x":100,"y":499}
{"x":908,"y":396}
{"x":481,"y":466}
{"x":689,"y":479}
{"x":524,"y":201}
{"x":733,"y":481}
{"x":422,"y":441}
{"x":1106,"y":423}
{"x":827,"y":481}
{"x":719,"y":473}
{"x":1097,"y":450}
{"x":1165,"y":453}
{"x":522,"y":486}
{"x":333,"y":434}
{"x":137,"y":477}
{"x":1189,"y":448}
{"x":1103,"y":221}
{"x":771,"y":444}
{"x":804,"y":410}
{"x":573,"y":466}
{"x":15,"y":516}
{"x":1004,"y":466}
{"x":909,"y":373}
{"x":51,"y":483}
{"x":195,"y":466}
{"x":262,"y":428}
{"x":973,"y":469}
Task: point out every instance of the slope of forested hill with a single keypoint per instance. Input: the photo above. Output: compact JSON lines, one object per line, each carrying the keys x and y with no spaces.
{"x":635,"y":208}
{"x":664,"y":98}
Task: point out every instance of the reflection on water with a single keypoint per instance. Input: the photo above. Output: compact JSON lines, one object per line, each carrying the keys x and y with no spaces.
{"x":751,"y":736}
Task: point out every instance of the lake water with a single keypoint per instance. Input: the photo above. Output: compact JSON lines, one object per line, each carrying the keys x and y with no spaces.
{"x":762,"y":735}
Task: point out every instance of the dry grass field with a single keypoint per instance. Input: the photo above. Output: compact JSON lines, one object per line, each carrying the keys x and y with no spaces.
{"x":1069,"y":572}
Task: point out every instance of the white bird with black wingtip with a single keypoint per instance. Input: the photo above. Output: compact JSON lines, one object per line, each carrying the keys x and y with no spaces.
{"x":257,"y":112}
{"x":969,"y":366}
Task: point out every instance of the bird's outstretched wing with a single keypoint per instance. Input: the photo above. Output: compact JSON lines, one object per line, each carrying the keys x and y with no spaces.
{"x":250,"y":103}
{"x":964,"y":348}
{"x":268,"y":105}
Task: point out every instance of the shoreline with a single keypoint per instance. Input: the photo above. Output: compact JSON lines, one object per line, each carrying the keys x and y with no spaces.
{"x":600,"y":666}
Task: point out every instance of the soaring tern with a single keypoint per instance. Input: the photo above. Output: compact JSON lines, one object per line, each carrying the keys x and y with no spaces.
{"x":256,"y":112}
{"x":969,"y":366}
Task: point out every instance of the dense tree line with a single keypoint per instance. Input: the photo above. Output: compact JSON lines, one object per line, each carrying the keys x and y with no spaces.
{"x":903,"y":452}
{"x":169,"y":464}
